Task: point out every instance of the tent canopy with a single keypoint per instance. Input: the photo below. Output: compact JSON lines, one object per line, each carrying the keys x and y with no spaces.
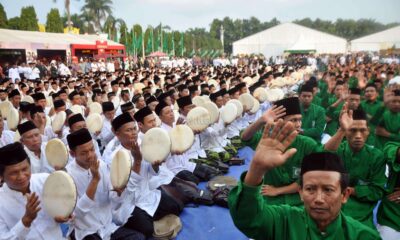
{"x":378,"y":41}
{"x":289,"y":37}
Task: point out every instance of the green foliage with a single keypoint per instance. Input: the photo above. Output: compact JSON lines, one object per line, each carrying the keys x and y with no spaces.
{"x":3,"y":17}
{"x":54,"y":22}
{"x":28,"y":19}
{"x":13,"y":23}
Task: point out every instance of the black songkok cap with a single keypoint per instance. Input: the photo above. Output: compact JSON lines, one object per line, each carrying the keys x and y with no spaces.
{"x":214,"y":96}
{"x":359,"y":114}
{"x":14,"y":93}
{"x":38,"y":96}
{"x":79,"y":137}
{"x":322,"y":161}
{"x":25,"y":127}
{"x":11,"y":154}
{"x":184,"y":101}
{"x":107,"y":106}
{"x":121,"y":120}
{"x":355,"y":91}
{"x":136,"y":98}
{"x":75,"y":118}
{"x":292,"y":105}
{"x":142,"y":113}
{"x":25,"y":106}
{"x":35,"y":109}
{"x":193,"y":88}
{"x":306,"y":88}
{"x":127,"y":107}
{"x":59,"y":103}
{"x":151,"y":99}
{"x":72,"y":95}
{"x":160,"y":107}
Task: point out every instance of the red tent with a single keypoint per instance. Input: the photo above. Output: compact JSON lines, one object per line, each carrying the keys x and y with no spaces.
{"x":157,"y":54}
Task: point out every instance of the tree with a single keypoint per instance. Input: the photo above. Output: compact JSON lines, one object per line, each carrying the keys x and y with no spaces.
{"x":87,"y":22}
{"x":28,"y":19}
{"x":3,"y":17}
{"x":54,"y":22}
{"x":13,"y":23}
{"x":99,"y":10}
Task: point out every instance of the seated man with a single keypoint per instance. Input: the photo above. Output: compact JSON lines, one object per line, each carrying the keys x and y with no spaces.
{"x":388,"y":128}
{"x":93,"y":212}
{"x":335,"y":105}
{"x":389,"y":209}
{"x":364,"y":163}
{"x":149,"y":203}
{"x":281,"y":183}
{"x":313,"y":116}
{"x":34,"y":147}
{"x":21,"y":214}
{"x":323,"y":181}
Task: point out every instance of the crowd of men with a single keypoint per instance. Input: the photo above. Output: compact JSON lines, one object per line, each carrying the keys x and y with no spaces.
{"x":344,"y":120}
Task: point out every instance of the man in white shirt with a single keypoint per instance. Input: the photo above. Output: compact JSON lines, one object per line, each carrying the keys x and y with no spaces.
{"x":13,"y":73}
{"x":21,"y":213}
{"x":35,"y":72}
{"x":6,"y":136}
{"x":34,"y":147}
{"x":106,"y":134}
{"x":93,"y":212}
{"x":150,"y":203}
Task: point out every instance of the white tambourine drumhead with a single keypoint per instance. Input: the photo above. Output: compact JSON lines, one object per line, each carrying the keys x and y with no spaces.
{"x":256,"y":106}
{"x":198,"y":119}
{"x":239,"y":107}
{"x":56,"y":153}
{"x":17,"y":136}
{"x":59,"y":194}
{"x":198,"y":101}
{"x":206,"y":98}
{"x":182,"y":138}
{"x":260,"y":94}
{"x":156,"y":145}
{"x":213,"y":82}
{"x":120,"y":171}
{"x":13,"y":118}
{"x":228,"y":113}
{"x":95,"y":108}
{"x":28,"y":99}
{"x":213,"y":111}
{"x":77,"y":109}
{"x":275,"y":94}
{"x":58,"y":121}
{"x":247,"y":101}
{"x":5,"y":108}
{"x":94,"y":122}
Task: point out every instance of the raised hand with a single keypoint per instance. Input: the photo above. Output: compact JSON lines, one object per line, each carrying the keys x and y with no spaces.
{"x":136,"y":153}
{"x":346,"y":117}
{"x":273,"y":113}
{"x":271,"y":150}
{"x":31,"y":209}
{"x":94,"y":169}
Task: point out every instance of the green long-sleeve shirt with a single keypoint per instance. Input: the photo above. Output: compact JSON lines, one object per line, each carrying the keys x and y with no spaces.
{"x":374,"y":111}
{"x":333,"y":113}
{"x":391,"y":122}
{"x":366,"y":170}
{"x":313,"y":121}
{"x":389,"y":212}
{"x":289,"y":172}
{"x":259,"y":220}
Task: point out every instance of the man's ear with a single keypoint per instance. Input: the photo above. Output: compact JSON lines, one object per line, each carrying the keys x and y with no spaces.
{"x":345,"y":195}
{"x":72,"y":152}
{"x":300,"y":190}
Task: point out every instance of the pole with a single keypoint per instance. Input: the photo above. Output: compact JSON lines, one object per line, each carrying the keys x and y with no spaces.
{"x":222,"y":37}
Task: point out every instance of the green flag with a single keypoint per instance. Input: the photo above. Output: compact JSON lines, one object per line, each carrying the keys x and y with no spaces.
{"x":149,"y":47}
{"x":173,"y":45}
{"x":139,"y":40}
{"x":133,"y":45}
{"x":181,"y":46}
{"x":165,"y":43}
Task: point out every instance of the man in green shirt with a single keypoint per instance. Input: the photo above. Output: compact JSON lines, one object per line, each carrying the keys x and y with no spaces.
{"x":374,"y":109}
{"x":365,"y":165}
{"x":389,"y":210}
{"x":313,"y":116}
{"x":323,"y":190}
{"x":281,"y":183}
{"x":388,"y":128}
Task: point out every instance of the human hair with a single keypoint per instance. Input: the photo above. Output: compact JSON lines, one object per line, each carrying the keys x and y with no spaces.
{"x":3,"y":167}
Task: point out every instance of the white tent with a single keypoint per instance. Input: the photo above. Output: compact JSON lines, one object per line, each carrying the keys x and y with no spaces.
{"x":289,"y":37}
{"x":377,"y":41}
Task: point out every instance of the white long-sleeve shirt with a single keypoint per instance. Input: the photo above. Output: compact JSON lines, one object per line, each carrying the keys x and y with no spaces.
{"x":39,"y":165}
{"x":7,"y":137}
{"x":12,"y":209}
{"x":93,"y":216}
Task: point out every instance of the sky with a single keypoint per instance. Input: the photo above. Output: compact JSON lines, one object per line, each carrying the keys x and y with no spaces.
{"x":184,"y":14}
